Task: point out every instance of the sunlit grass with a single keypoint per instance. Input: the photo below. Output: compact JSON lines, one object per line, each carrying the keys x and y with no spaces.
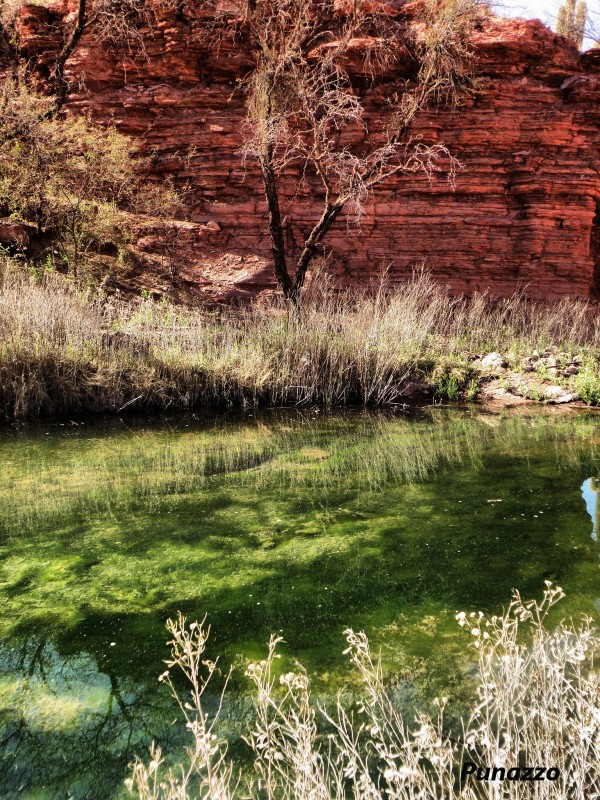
{"x":65,"y":352}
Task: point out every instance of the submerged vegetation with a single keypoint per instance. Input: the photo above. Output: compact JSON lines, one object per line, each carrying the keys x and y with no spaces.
{"x":64,"y":351}
{"x":535,"y":713}
{"x":297,"y":522}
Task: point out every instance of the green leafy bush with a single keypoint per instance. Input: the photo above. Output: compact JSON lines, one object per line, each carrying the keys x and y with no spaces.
{"x":587,"y":384}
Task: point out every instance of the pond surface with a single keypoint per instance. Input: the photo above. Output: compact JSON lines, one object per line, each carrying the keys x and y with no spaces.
{"x":295,"y":523}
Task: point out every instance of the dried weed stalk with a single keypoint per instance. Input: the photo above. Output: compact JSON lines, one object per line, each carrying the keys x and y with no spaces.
{"x":97,"y":354}
{"x":207,"y":773}
{"x":536,"y":705}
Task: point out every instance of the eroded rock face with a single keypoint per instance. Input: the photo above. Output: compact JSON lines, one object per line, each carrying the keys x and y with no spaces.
{"x":524,"y":213}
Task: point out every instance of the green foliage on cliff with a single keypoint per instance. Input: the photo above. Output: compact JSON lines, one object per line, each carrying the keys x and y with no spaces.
{"x":69,"y":180}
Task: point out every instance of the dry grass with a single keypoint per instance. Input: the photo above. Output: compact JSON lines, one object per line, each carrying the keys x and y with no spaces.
{"x":536,"y":705}
{"x":65,"y":351}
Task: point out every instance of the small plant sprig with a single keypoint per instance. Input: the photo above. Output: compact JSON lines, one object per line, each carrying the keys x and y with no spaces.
{"x":207,"y":771}
{"x":536,"y":704}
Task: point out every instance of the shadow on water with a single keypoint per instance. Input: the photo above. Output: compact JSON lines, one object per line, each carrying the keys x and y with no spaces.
{"x":292,"y":522}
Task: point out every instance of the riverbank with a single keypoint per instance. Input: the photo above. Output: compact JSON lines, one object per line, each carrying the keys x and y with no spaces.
{"x":65,"y":350}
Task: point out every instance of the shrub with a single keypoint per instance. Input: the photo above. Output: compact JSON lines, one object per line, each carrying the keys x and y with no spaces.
{"x":69,"y":178}
{"x":587,"y":384}
{"x":536,"y":705}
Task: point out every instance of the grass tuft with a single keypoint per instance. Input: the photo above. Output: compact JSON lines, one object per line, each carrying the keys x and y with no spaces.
{"x":64,"y":350}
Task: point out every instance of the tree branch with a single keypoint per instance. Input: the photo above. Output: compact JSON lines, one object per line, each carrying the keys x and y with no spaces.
{"x":61,"y":86}
{"x":311,"y":245}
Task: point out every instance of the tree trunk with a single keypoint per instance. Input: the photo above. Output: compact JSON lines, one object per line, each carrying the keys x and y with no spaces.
{"x":8,"y":51}
{"x":275,"y":227}
{"x":311,"y":247}
{"x":292,"y":289}
{"x":61,"y":86}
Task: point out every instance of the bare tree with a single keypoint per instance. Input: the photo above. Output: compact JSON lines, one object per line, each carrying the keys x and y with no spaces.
{"x":592,"y":24}
{"x":9,"y":49}
{"x":117,"y":22}
{"x":304,"y":109}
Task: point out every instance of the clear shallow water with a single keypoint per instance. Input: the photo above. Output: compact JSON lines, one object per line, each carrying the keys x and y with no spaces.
{"x":288,"y":522}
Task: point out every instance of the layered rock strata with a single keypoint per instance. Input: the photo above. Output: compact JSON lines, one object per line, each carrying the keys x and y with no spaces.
{"x":524,"y":211}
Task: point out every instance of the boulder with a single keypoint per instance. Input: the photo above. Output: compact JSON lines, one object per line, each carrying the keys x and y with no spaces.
{"x":494,"y":361}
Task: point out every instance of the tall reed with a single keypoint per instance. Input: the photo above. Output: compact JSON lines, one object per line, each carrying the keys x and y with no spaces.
{"x":66,"y":351}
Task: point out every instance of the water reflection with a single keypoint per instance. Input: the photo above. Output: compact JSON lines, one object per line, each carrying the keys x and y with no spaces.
{"x":589,"y":491}
{"x":69,"y":729}
{"x":283,"y":523}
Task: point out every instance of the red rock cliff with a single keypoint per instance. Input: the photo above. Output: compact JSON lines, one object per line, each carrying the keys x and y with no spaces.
{"x":525,"y":211}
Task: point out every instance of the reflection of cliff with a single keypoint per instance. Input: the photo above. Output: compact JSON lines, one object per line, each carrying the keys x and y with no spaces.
{"x":522,"y":213}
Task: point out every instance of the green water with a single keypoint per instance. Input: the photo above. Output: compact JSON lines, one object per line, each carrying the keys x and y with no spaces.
{"x":288,"y":522}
